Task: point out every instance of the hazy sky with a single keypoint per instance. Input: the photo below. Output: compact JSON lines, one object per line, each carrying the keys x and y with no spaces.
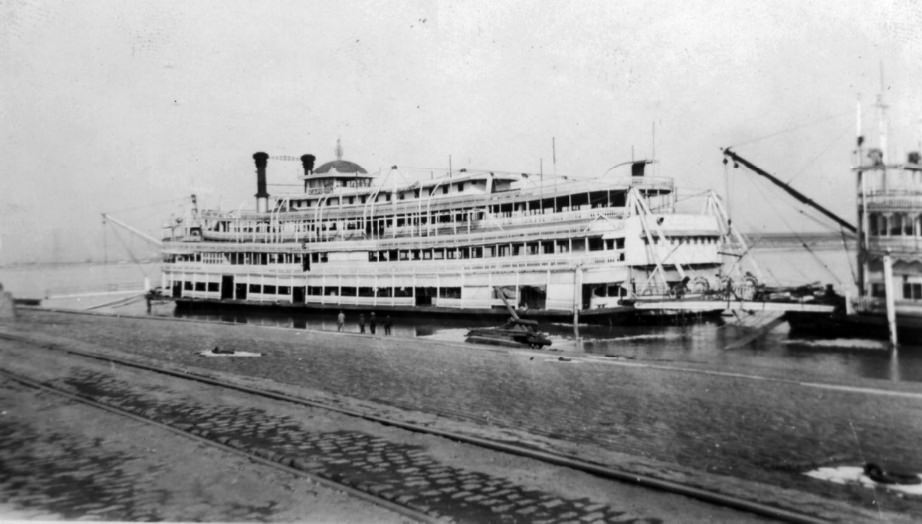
{"x":114,"y":105}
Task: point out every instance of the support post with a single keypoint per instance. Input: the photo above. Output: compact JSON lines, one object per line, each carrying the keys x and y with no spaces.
{"x":891,"y":307}
{"x":577,"y":300}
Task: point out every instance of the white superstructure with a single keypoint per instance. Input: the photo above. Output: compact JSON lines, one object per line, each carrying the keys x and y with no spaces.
{"x":445,"y":241}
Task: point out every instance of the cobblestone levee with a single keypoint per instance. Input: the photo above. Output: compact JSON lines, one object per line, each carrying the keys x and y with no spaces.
{"x":62,"y":460}
{"x":404,"y":473}
{"x":762,"y":430}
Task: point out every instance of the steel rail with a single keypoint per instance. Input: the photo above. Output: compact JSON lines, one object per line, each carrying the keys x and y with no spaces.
{"x":363,"y":495}
{"x":605,"y":472}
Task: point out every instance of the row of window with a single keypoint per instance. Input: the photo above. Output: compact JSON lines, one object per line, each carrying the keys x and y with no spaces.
{"x":592,"y":200}
{"x":332,"y":291}
{"x":894,"y":224}
{"x":249,"y":259}
{"x":911,"y":291}
{"x":544,"y":247}
{"x":497,"y":250}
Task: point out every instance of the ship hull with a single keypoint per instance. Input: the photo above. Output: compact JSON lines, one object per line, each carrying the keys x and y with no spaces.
{"x":868,"y":326}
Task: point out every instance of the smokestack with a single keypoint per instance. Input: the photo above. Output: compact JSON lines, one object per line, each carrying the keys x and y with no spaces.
{"x":637,"y":168}
{"x":308,"y":162}
{"x":262,"y":198}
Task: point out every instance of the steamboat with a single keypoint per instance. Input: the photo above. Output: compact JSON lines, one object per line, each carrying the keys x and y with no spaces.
{"x":458,"y":242}
{"x":888,"y":247}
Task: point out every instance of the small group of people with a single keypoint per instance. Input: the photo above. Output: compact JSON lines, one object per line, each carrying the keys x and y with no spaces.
{"x":372,"y":323}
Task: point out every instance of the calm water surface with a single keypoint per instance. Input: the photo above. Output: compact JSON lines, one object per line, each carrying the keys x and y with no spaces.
{"x":70,"y":286}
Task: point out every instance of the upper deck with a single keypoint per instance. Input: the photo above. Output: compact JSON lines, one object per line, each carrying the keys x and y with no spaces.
{"x":398,"y":203}
{"x":891,"y":194}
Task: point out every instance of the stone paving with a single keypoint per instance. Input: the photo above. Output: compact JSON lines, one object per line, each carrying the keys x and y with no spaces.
{"x":764,"y":431}
{"x":401,"y":473}
{"x":63,"y":460}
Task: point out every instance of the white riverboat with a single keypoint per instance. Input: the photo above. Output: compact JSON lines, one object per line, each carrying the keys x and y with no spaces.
{"x":448,"y":241}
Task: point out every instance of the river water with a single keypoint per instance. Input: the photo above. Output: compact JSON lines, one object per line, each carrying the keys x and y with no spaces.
{"x":85,"y":286}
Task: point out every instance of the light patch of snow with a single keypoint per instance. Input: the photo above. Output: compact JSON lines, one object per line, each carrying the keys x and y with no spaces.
{"x":855,"y":475}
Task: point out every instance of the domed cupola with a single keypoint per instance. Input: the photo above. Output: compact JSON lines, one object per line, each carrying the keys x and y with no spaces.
{"x":339,"y":166}
{"x":336,"y":174}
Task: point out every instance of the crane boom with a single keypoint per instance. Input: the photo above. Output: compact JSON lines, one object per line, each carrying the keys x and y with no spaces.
{"x":138,"y":232}
{"x":790,"y":190}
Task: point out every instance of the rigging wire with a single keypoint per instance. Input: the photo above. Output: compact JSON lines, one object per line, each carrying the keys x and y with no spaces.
{"x":800,"y":239}
{"x":851,"y":269}
{"x":793,"y":128}
{"x":131,"y":254}
{"x":814,"y":159}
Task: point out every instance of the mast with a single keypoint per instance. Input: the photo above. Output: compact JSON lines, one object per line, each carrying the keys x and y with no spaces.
{"x":862,"y":205}
{"x":790,"y":190}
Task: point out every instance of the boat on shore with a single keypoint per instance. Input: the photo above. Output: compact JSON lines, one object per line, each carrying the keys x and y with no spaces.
{"x":448,"y":242}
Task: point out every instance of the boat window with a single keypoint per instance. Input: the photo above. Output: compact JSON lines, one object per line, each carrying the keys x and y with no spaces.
{"x":912,"y":291}
{"x":314,"y":290}
{"x":366,"y":291}
{"x":348,"y":291}
{"x":187,"y":285}
{"x":384,"y":292}
{"x":427,"y":254}
{"x":449,"y":292}
{"x":415,"y":254}
{"x":404,"y":254}
{"x":268,"y":290}
{"x":200,"y":286}
{"x":896,"y":224}
{"x":438,"y":254}
{"x":372,"y":256}
{"x":284,"y":290}
{"x":476,"y":252}
{"x":255,"y":288}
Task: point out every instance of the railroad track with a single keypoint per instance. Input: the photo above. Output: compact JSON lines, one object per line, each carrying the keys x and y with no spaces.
{"x":363,"y":465}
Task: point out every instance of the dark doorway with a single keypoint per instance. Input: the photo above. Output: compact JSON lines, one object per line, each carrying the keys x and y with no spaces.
{"x":533,"y":297}
{"x":424,"y":296}
{"x":177,"y":289}
{"x":297,"y":295}
{"x":227,"y":287}
{"x":240,"y":291}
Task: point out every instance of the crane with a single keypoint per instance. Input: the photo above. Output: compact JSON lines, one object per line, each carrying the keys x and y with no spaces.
{"x":107,"y":217}
{"x":790,"y":190}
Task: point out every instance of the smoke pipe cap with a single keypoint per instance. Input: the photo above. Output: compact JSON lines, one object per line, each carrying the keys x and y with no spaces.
{"x":308,"y":162}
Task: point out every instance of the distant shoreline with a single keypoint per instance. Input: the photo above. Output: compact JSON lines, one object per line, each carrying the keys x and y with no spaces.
{"x":42,"y":264}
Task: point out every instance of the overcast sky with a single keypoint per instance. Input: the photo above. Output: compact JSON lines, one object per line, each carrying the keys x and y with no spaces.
{"x":128,"y":107}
